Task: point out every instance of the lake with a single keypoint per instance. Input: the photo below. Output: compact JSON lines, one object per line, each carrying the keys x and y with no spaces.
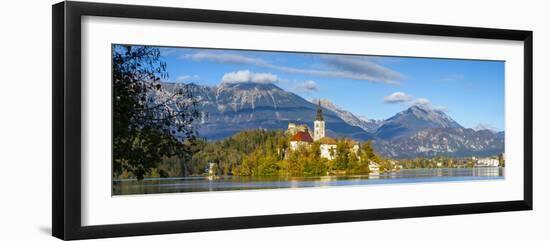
{"x":229,"y":183}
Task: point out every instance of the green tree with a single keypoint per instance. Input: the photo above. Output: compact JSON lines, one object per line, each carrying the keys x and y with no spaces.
{"x":367,"y":152}
{"x":341,"y":160}
{"x":366,"y":155}
{"x":353,"y":163}
{"x":501,"y":160}
{"x":315,"y":165}
{"x":147,"y":129}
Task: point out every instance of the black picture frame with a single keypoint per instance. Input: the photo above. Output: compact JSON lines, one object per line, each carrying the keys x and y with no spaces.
{"x":66,"y":128}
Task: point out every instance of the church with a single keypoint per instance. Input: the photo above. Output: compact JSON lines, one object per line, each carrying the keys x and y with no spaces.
{"x":301,"y":136}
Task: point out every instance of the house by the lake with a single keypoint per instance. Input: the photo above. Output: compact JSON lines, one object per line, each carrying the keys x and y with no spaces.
{"x":487,"y":162}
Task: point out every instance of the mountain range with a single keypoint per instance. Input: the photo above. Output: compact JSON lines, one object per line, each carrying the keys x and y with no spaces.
{"x":418,"y":131}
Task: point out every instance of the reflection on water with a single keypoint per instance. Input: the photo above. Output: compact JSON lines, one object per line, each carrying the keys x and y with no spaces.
{"x":202,"y":184}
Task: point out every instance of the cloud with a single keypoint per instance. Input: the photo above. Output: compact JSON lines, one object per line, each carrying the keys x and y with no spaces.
{"x":168,"y":51}
{"x":485,"y":126}
{"x":345,"y":67}
{"x":184,"y":78}
{"x":452,"y":78}
{"x":245,"y":76}
{"x":225,"y":58}
{"x":421,"y":102}
{"x":363,"y":68}
{"x":409,"y":100}
{"x":397,"y":97}
{"x":439,"y":108}
{"x":306,"y":86}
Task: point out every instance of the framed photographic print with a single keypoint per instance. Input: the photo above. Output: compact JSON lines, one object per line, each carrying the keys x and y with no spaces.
{"x":170,"y":120}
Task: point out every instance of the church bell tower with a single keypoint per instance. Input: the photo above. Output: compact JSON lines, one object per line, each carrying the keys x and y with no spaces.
{"x":319,"y":124}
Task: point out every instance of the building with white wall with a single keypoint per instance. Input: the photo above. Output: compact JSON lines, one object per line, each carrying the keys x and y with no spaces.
{"x":327,"y":147}
{"x":299,"y":139}
{"x":487,"y":162}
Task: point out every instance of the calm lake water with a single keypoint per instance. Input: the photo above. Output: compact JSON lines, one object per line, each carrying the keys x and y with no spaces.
{"x":228,"y":183}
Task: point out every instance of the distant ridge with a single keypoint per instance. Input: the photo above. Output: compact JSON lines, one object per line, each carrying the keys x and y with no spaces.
{"x":369,"y":125}
{"x":413,"y":119}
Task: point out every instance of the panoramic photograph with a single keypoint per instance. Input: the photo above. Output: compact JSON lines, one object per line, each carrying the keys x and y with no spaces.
{"x":189,"y":119}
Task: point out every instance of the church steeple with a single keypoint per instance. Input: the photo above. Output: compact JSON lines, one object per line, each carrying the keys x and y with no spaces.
{"x":319,"y":124}
{"x":319,"y":112}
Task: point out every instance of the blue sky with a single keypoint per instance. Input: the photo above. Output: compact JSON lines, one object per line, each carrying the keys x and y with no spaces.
{"x":470,"y":91}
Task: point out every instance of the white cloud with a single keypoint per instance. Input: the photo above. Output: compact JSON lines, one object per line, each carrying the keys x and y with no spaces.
{"x":184,"y":78}
{"x":345,"y":67}
{"x":363,"y":68}
{"x":409,"y":100}
{"x":397,"y":97}
{"x":452,"y":78}
{"x":439,"y":108}
{"x":168,"y":51}
{"x":306,"y":86}
{"x":246,"y":76}
{"x":224,"y":58}
{"x":485,"y":126}
{"x":421,"y":102}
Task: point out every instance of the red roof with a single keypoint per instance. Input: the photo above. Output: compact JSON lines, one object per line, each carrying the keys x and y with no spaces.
{"x":302,"y":136}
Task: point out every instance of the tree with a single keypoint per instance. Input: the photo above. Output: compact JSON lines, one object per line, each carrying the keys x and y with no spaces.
{"x":315,"y":165}
{"x":353,"y":163}
{"x":501,"y":160}
{"x":367,"y":155}
{"x":341,"y":160}
{"x":367,"y":152}
{"x":148,"y":123}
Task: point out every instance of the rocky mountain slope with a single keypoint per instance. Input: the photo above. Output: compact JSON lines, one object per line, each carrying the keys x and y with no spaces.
{"x":369,"y":125}
{"x":232,"y":108}
{"x":442,"y":142}
{"x":413,"y":119}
